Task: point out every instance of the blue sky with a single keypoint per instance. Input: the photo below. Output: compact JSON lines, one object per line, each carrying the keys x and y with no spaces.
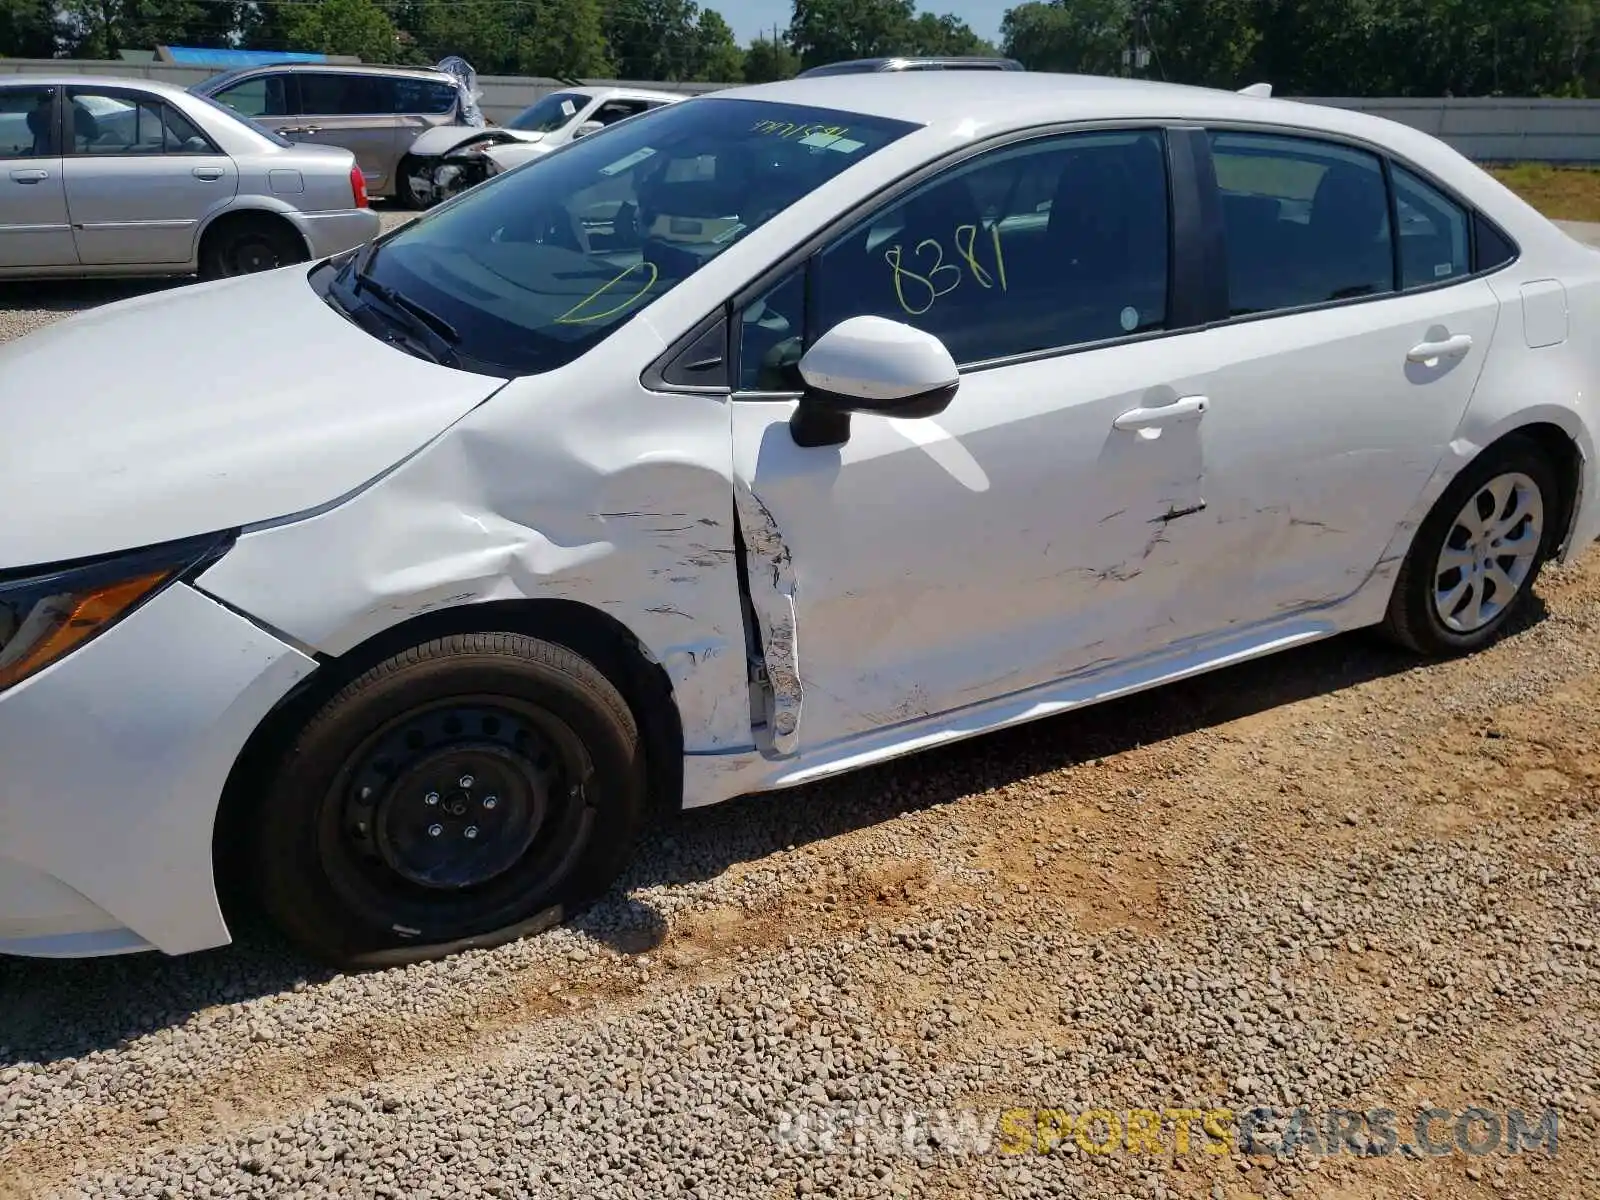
{"x":752,"y":17}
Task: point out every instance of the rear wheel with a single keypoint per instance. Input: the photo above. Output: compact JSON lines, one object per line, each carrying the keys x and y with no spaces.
{"x":1473,"y":565}
{"x":245,"y":245}
{"x":465,"y":793}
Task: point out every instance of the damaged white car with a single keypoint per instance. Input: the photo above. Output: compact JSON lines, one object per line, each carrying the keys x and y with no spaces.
{"x":780,"y":432}
{"x":451,"y":158}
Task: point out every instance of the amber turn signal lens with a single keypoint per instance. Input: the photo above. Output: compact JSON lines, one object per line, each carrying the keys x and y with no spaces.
{"x":60,"y":622}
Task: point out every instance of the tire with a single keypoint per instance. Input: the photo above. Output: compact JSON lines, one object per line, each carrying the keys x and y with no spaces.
{"x":1438,"y":608}
{"x":246,"y":245}
{"x":403,"y":194}
{"x":464,"y":793}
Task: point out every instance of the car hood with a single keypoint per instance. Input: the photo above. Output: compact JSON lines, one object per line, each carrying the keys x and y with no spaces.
{"x":444,"y":138}
{"x":203,"y":408}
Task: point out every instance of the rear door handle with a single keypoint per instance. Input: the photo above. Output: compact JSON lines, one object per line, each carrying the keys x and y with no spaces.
{"x":1149,"y":421}
{"x":286,"y":130}
{"x":1449,"y":348}
{"x":208,"y":173}
{"x":34,"y":176}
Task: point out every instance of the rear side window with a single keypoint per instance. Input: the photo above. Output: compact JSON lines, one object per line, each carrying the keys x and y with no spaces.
{"x":345,"y":95}
{"x":1494,"y":249}
{"x":1435,"y":242}
{"x":1307,"y":222}
{"x":424,"y":96}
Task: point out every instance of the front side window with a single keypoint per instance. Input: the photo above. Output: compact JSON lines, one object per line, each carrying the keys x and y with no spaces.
{"x":1435,"y":246}
{"x":260,"y":96}
{"x":535,"y":267}
{"x":549,"y":114}
{"x":1307,"y":222}
{"x":1050,"y":244}
{"x":27,"y":122}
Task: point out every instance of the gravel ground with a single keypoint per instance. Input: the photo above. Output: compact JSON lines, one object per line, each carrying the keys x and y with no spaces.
{"x":1335,"y":878}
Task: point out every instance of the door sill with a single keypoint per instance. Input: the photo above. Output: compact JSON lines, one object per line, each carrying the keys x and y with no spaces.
{"x":712,"y":778}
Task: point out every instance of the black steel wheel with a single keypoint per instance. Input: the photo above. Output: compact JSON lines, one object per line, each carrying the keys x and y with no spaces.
{"x":246,"y":245}
{"x":465,"y":793}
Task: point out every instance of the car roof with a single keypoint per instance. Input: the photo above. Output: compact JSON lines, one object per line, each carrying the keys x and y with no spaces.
{"x":158,"y":86}
{"x":302,"y":68}
{"x":901,"y":62}
{"x":976,"y":103}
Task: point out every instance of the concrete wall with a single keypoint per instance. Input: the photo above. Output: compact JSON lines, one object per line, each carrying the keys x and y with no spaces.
{"x":1491,"y":130}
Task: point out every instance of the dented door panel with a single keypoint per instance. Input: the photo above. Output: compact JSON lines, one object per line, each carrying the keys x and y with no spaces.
{"x":930,"y":565}
{"x":590,"y":490}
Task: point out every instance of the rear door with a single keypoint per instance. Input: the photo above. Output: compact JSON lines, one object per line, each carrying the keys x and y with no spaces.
{"x":357,"y":112}
{"x":34,"y":229}
{"x":140,"y":177}
{"x":1343,"y":368}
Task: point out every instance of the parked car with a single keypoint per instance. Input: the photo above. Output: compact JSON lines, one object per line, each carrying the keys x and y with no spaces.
{"x":757,"y":439}
{"x":115,"y":176}
{"x":374,"y":112}
{"x":450,"y":159}
{"x":917,"y":62}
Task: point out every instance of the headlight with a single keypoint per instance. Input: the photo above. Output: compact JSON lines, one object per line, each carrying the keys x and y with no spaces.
{"x":47,"y":615}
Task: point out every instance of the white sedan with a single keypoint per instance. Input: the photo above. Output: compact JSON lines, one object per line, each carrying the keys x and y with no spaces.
{"x":771,"y":434}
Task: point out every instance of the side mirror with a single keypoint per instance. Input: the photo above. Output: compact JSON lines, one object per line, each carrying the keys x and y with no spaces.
{"x":587,"y":128}
{"x":870,"y":365}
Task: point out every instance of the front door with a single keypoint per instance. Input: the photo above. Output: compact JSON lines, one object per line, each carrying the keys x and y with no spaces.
{"x":140,"y":178}
{"x":1033,"y":531}
{"x":34,"y":230}
{"x":1338,"y":385}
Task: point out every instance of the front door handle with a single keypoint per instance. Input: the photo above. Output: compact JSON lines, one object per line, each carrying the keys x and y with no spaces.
{"x":1148,"y":421}
{"x":286,"y":130}
{"x":34,"y":176}
{"x":208,"y":173}
{"x":1449,"y":348}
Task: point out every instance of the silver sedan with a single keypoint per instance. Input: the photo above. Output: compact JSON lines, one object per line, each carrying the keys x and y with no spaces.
{"x":111,"y":176}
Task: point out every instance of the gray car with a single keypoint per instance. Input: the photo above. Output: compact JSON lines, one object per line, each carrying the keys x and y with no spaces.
{"x":110,"y":176}
{"x":374,"y":112}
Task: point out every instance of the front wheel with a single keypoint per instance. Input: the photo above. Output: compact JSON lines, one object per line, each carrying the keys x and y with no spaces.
{"x":465,"y":793}
{"x":1473,"y":564}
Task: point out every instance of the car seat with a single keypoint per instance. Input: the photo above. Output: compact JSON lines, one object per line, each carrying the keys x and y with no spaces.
{"x":1348,"y":241}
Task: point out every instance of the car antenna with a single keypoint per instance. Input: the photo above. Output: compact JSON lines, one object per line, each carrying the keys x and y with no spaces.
{"x":1262,"y":90}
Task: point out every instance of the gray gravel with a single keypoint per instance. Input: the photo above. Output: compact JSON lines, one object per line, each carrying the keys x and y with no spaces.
{"x":1332,"y":878}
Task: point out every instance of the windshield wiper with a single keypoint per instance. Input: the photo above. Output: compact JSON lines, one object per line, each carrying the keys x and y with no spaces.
{"x":436,"y":334}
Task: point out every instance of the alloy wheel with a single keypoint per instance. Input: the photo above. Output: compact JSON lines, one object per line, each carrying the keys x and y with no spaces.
{"x":1491,"y":549}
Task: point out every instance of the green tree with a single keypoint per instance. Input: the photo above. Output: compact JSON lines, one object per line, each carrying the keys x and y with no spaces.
{"x":769,"y":59}
{"x":27,"y":28}
{"x":826,"y":31}
{"x":1210,"y":43}
{"x":103,"y":28}
{"x":653,"y":39}
{"x":717,"y":56}
{"x":356,"y":27}
{"x":946,"y":34}
{"x":1081,"y":37}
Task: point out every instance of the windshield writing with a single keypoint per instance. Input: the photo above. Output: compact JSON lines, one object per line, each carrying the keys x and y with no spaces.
{"x":534,"y":268}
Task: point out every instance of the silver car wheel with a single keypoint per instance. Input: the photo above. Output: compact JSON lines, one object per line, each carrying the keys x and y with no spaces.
{"x":1489,"y":552}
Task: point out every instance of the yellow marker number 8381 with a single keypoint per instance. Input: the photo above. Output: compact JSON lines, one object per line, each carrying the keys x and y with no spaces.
{"x":919,"y":290}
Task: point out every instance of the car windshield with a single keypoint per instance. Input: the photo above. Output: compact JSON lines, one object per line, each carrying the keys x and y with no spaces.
{"x":549,"y":114}
{"x":272,"y":135}
{"x":531,"y":269}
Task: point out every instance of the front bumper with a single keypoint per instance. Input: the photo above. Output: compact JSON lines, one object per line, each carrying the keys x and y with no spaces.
{"x":112,"y":762}
{"x":332,"y":233}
